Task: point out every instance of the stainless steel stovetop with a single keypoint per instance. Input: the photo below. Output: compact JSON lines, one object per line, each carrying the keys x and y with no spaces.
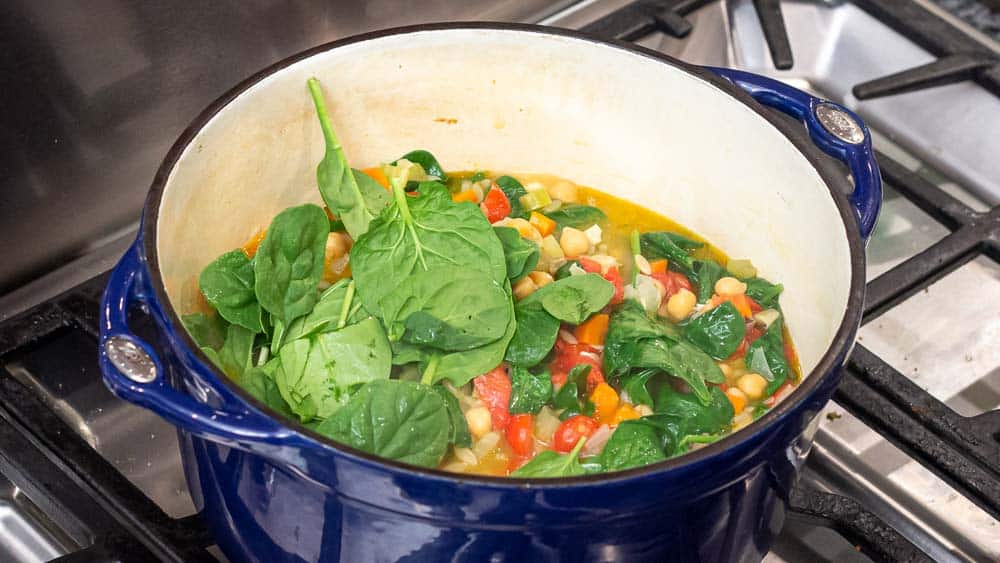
{"x":944,"y":338}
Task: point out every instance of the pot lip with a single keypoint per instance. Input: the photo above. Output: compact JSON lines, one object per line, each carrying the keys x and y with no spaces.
{"x":826,"y":368}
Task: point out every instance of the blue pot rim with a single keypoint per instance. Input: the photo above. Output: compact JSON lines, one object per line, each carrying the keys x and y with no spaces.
{"x":827,"y":367}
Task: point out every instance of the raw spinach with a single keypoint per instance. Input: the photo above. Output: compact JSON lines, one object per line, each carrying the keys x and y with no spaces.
{"x":662,"y":245}
{"x":317,"y":373}
{"x":335,"y":309}
{"x":535,"y":335}
{"x":576,"y":216}
{"x":351,"y":195}
{"x":459,"y":432}
{"x":635,"y":385}
{"x":235,"y":354}
{"x":513,"y":190}
{"x":228,"y":285}
{"x":426,"y":161}
{"x":766,"y":356}
{"x":447,"y":308}
{"x":529,"y":391}
{"x":208,"y":331}
{"x":634,"y":443}
{"x":259,"y":382}
{"x":400,"y":420}
{"x":573,"y":299}
{"x":764,"y":292}
{"x":718,"y":332}
{"x":521,"y":255}
{"x":421,"y":234}
{"x":289,"y":261}
{"x":550,"y":464}
{"x":704,"y":275}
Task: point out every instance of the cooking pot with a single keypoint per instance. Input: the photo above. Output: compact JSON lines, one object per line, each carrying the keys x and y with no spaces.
{"x":696,"y":144}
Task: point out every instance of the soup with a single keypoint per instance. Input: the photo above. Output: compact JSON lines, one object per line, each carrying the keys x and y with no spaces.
{"x":493,"y":324}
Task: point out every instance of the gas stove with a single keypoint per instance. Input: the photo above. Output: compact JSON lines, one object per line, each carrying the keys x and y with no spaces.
{"x":906,"y":463}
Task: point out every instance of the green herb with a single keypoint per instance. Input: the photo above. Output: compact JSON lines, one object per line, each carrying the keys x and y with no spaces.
{"x":704,"y":276}
{"x":529,"y":391}
{"x":208,"y":331}
{"x":766,"y":355}
{"x":514,"y":191}
{"x":634,"y":443}
{"x":459,"y":432}
{"x":228,"y":285}
{"x":521,"y":255}
{"x":576,"y":216}
{"x":447,"y":308}
{"x":289,"y":262}
{"x":478,"y":176}
{"x":718,"y":332}
{"x":317,"y":373}
{"x":662,"y":245}
{"x":551,"y":464}
{"x":636,"y":250}
{"x":351,"y":195}
{"x":399,"y":420}
{"x":764,"y":292}
{"x":428,"y":162}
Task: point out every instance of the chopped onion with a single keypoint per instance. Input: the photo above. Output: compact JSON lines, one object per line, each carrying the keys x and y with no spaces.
{"x":568,"y":336}
{"x":645,"y":291}
{"x":551,"y":248}
{"x":554,"y":206}
{"x":767,"y":317}
{"x":597,"y":440}
{"x":607,"y":262}
{"x":466,"y":455}
{"x":642,"y":264}
{"x":576,"y":270}
{"x":546,"y":424}
{"x":486,"y":444}
{"x":479,"y":192}
{"x":593,"y":234}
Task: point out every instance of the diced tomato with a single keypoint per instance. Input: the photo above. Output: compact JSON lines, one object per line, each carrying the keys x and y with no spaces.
{"x":589,"y":266}
{"x":569,"y":356}
{"x":519,"y":434}
{"x":672,"y":282}
{"x":754,"y":305}
{"x":493,"y":388}
{"x":752,"y":333}
{"x":558,"y":378}
{"x":570,"y":432}
{"x":495,"y":205}
{"x":615,"y":277}
{"x":514,"y":463}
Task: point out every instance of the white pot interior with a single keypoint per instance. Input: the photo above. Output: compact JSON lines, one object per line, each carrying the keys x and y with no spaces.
{"x":519,"y":101}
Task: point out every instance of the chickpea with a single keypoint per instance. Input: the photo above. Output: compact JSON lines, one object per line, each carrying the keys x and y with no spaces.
{"x":730,"y":286}
{"x":524,"y":288}
{"x":479,"y":421}
{"x":680,"y":305}
{"x":541,"y":278}
{"x":566,"y":192}
{"x":574,"y":242}
{"x":753,"y":385}
{"x":337,"y":245}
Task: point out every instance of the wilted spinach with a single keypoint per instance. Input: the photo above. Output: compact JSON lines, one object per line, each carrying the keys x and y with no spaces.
{"x":634,"y":443}
{"x":521,"y":255}
{"x":635,"y":385}
{"x":766,"y":356}
{"x":513,"y":190}
{"x":704,"y":275}
{"x":571,"y":398}
{"x":662,"y":245}
{"x":228,"y":285}
{"x":718,"y":332}
{"x":400,"y":420}
{"x":576,"y":216}
{"x":551,"y":464}
{"x":563,"y":271}
{"x":688,"y":415}
{"x":289,"y":262}
{"x":764,"y":292}
{"x":529,"y":391}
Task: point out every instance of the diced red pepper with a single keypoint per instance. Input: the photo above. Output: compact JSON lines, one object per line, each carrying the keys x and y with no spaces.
{"x":493,"y":388}
{"x":754,"y":305}
{"x":495,"y":205}
{"x":558,"y":378}
{"x":589,"y":266}
{"x":673,"y":282}
{"x":569,"y":356}
{"x":519,"y":434}
{"x":752,"y":333}
{"x":570,"y":432}
{"x":615,"y":277}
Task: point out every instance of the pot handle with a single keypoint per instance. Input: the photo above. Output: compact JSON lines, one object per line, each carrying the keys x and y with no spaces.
{"x":133,"y":371}
{"x":836,"y":130}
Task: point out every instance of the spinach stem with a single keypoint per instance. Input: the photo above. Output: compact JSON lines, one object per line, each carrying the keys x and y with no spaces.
{"x":345,"y":309}
{"x":634,"y":243}
{"x":262,"y":357}
{"x":399,"y":194}
{"x":428,"y":376}
{"x":574,"y":453}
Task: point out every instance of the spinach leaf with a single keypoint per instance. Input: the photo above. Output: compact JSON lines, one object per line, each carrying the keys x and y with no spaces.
{"x":317,"y":373}
{"x":628,"y":327}
{"x":335,"y":304}
{"x":563,"y":271}
{"x":447,"y":308}
{"x":521,"y":255}
{"x":634,"y":443}
{"x":635,"y":385}
{"x":759,"y":410}
{"x":684,"y":445}
{"x":289,"y":261}
{"x":574,"y":299}
{"x":459,"y":432}
{"x":551,"y":464}
{"x":351,"y":195}
{"x":228,"y":285}
{"x":682,"y":360}
{"x":684,"y":242}
{"x":259,"y":382}
{"x":704,"y":276}
{"x":513,"y":190}
{"x":690,"y":415}
{"x":421,"y":234}
{"x":719,"y":332}
{"x":235,"y":354}
{"x":766,"y":356}
{"x":426,"y":161}
{"x":400,"y":420}
{"x":661,"y":245}
{"x":571,"y":397}
{"x":576,"y":216}
{"x":535,"y":335}
{"x":764,"y":292}
{"x":478,"y":176}
{"x":208,"y":331}
{"x":529,"y":391}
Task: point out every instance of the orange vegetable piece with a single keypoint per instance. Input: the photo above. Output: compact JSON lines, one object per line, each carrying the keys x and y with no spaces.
{"x":658,"y":266}
{"x":741,"y":302}
{"x":376,"y":173}
{"x":623,"y":413}
{"x":737,"y":398}
{"x":593,"y":330}
{"x":544,"y":225}
{"x":250,"y":247}
{"x":605,"y":400}
{"x":465,"y":195}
